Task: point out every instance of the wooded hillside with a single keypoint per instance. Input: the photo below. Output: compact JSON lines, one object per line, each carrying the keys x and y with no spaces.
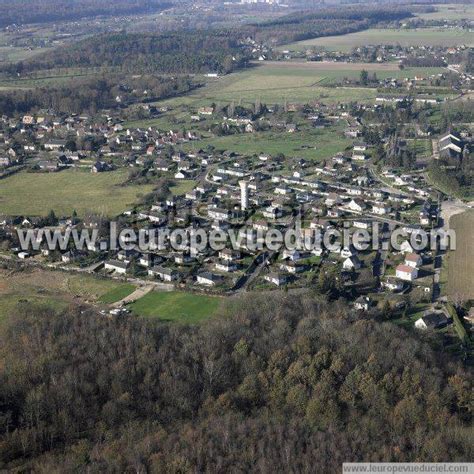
{"x":280,"y":384}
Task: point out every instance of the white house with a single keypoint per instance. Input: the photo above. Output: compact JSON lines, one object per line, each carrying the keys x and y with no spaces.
{"x":362,"y":303}
{"x":392,"y":284}
{"x":348,"y":252}
{"x":432,"y":321}
{"x":351,"y":263}
{"x":166,"y":274}
{"x":208,"y":279}
{"x":291,"y":267}
{"x":229,"y":255}
{"x":413,"y":260}
{"x":381,"y":209}
{"x":277,"y":279}
{"x":356,"y":205}
{"x":226,"y":266}
{"x":407,"y":273}
{"x":361,"y":224}
{"x":360,"y":147}
{"x":117,"y":266}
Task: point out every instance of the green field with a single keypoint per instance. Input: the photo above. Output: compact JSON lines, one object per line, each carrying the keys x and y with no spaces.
{"x":56,"y":290}
{"x":314,"y":144}
{"x":182,"y":187}
{"x":404,"y":37}
{"x":34,"y":194}
{"x":14,"y":54}
{"x":290,"y":81}
{"x":461,"y":261}
{"x":450,"y":12}
{"x":117,"y":294}
{"x":176,"y":306}
{"x":422,"y":147}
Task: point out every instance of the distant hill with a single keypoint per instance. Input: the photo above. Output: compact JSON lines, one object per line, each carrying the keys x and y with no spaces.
{"x":44,"y":11}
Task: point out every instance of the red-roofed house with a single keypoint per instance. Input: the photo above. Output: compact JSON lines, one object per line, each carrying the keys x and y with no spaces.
{"x":406,"y":272}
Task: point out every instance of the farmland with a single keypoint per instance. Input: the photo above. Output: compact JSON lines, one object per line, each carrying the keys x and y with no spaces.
{"x":290,"y":81}
{"x":272,"y":84}
{"x":461,"y":263}
{"x":458,"y":11}
{"x":403,"y":37}
{"x":36,"y":193}
{"x":176,"y":306}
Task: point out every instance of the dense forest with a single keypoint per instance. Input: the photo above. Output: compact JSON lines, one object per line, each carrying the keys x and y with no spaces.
{"x":44,"y":11}
{"x":92,"y":95}
{"x":280,"y":384}
{"x":219,"y":51}
{"x":185,"y":52}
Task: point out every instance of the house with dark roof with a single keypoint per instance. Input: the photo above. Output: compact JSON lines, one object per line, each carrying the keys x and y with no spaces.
{"x":431,"y":320}
{"x":450,"y":146}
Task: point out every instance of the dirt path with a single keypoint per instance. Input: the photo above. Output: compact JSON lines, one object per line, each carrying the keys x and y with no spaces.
{"x":137,"y":294}
{"x":450,"y":209}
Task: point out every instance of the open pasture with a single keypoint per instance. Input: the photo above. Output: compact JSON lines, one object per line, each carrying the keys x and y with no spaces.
{"x":457,"y":11}
{"x":276,"y":82}
{"x":176,"y":306}
{"x":312,"y":144}
{"x":373,"y":36}
{"x":35,"y":194}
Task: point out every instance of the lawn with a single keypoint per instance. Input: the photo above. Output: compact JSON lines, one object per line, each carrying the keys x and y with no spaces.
{"x":422,"y":147}
{"x":181,"y":187}
{"x":461,"y":261}
{"x":176,"y":306}
{"x":415,"y":37}
{"x":34,"y":194}
{"x":118,"y":293}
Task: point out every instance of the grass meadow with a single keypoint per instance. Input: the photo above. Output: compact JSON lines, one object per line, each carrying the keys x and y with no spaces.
{"x":404,"y":37}
{"x":35,"y":194}
{"x":458,"y":11}
{"x":56,"y":290}
{"x":176,"y":306}
{"x":275,"y":82}
{"x":313,"y":144}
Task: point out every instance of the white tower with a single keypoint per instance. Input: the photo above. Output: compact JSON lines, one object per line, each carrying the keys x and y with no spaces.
{"x":244,"y":195}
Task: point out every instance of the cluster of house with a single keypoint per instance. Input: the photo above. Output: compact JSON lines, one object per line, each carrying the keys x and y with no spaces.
{"x":229,"y":191}
{"x":52,"y":143}
{"x":263,"y":192}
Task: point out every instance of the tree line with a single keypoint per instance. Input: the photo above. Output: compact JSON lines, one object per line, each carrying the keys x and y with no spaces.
{"x":201,"y":51}
{"x":275,"y":384}
{"x":92,"y":95}
{"x":45,"y":11}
